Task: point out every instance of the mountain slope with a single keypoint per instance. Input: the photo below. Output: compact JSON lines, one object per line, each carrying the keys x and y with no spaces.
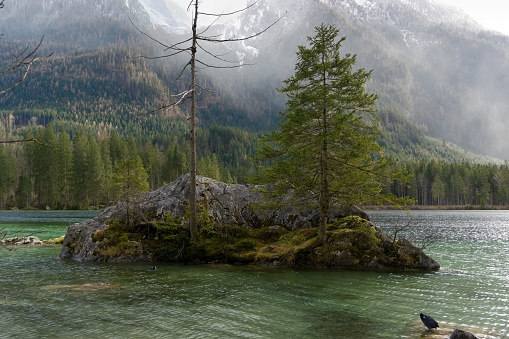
{"x":431,"y":64}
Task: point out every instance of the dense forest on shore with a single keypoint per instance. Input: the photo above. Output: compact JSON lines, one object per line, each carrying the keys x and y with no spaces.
{"x":73,"y":170}
{"x":438,"y":183}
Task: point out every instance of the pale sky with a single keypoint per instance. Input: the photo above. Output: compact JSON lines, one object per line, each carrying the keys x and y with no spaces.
{"x":492,"y":14}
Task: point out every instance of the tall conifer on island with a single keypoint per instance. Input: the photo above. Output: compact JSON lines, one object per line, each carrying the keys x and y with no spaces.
{"x":325,"y":152}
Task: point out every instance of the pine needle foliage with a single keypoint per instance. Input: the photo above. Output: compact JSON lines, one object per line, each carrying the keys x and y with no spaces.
{"x":325,"y":151}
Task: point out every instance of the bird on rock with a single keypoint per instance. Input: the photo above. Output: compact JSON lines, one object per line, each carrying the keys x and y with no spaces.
{"x":428,"y":321}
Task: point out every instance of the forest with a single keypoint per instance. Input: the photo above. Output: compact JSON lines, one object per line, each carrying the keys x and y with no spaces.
{"x":49,"y":174}
{"x":439,"y":183}
{"x":63,"y":172}
{"x":90,"y":106}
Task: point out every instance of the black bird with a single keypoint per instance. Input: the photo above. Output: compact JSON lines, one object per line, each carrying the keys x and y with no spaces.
{"x":428,"y":321}
{"x":152,"y":268}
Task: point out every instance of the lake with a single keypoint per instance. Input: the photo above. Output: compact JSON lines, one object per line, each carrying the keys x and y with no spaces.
{"x":43,"y":297}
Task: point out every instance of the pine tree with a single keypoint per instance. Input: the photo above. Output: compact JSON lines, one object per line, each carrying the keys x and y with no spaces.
{"x":94,"y":172}
{"x":64,"y":164}
{"x":80,"y":166}
{"x":6,"y":176}
{"x":129,"y":179}
{"x":325,"y":151}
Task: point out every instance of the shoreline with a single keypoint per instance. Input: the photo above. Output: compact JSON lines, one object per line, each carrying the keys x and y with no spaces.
{"x":434,"y":208}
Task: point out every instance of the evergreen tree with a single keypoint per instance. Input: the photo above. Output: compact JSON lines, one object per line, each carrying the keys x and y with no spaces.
{"x":325,"y":151}
{"x":107,"y":169}
{"x":64,"y":164}
{"x":118,"y":149}
{"x":94,"y":172}
{"x":6,"y":176}
{"x":80,"y":166}
{"x":129,"y":179}
{"x":44,"y":167}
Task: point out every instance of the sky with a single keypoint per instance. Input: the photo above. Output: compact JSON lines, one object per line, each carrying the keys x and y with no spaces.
{"x":492,"y":14}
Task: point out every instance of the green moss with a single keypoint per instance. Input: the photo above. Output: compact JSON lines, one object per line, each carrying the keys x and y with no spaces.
{"x":356,"y":235}
{"x":167,"y":239}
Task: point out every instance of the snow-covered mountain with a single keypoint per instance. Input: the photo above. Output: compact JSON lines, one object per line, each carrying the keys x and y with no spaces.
{"x":43,"y":15}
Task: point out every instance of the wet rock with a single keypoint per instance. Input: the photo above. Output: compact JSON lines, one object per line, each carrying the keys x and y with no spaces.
{"x":226,"y":204}
{"x":17,"y":241}
{"x":459,"y":334}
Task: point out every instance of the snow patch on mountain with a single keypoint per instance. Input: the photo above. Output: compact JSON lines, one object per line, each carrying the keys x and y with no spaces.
{"x":165,"y":14}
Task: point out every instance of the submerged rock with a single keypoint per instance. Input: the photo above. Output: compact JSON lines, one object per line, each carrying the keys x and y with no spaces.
{"x":233,"y":205}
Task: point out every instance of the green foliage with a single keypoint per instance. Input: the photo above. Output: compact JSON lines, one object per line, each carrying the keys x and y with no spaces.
{"x":129,"y":179}
{"x":115,"y":241}
{"x":325,"y":151}
{"x":438,"y":183}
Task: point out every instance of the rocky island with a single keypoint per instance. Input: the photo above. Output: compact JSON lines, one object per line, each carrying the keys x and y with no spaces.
{"x":232,"y":230}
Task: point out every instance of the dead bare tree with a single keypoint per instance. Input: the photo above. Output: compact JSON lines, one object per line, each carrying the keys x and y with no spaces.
{"x":3,"y":231}
{"x":196,"y":43}
{"x":427,"y":239}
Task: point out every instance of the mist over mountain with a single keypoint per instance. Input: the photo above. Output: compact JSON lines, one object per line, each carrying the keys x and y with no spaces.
{"x":433,"y":66}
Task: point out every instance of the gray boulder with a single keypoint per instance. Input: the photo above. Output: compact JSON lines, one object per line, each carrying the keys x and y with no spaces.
{"x":225,"y":204}
{"x":235,"y":205}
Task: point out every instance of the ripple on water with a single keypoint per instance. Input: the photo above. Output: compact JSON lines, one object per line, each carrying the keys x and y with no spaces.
{"x":470,"y":292}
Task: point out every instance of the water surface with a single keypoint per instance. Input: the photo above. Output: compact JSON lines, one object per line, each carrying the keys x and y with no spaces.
{"x":43,"y":297}
{"x":43,"y":224}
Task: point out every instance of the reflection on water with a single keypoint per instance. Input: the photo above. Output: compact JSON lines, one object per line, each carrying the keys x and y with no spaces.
{"x":43,"y":297}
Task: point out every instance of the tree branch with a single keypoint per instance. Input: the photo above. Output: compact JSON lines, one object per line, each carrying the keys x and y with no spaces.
{"x":23,"y":140}
{"x":23,"y":59}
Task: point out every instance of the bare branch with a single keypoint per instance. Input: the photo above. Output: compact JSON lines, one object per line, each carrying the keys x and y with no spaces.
{"x":23,"y":59}
{"x":218,"y":67}
{"x":183,"y":96}
{"x":23,"y":140}
{"x":219,"y":56}
{"x":211,"y":39}
{"x":148,"y":35}
{"x":231,"y":13}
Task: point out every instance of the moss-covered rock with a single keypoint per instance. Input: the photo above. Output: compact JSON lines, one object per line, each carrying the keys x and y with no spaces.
{"x":230,"y":231}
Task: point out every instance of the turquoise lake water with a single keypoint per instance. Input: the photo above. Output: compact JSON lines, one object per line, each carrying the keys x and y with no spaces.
{"x":44,"y":297}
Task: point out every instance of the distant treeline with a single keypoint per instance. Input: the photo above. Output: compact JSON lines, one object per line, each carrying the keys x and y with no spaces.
{"x":436,"y":183}
{"x":64,"y":172}
{"x":74,"y":170}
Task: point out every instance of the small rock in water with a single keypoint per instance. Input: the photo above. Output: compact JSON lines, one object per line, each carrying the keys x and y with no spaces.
{"x":459,"y":334}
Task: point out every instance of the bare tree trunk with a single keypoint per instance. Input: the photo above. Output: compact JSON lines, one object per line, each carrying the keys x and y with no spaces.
{"x":191,"y":93}
{"x":192,"y":180}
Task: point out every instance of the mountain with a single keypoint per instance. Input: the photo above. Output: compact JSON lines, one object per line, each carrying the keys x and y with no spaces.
{"x":431,"y":63}
{"x":433,"y":66}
